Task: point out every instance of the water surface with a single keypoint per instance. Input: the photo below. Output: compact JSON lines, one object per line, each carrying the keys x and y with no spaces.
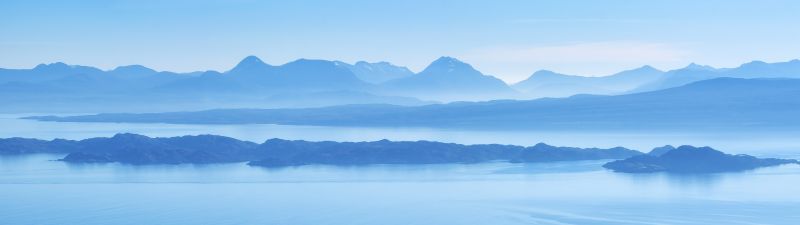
{"x":36,"y":190}
{"x":761,"y":143}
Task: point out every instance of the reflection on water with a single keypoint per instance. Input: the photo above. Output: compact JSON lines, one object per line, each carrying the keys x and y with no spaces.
{"x":36,"y":190}
{"x":685,"y":180}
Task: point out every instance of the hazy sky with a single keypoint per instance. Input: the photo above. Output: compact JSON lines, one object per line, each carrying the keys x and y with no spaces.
{"x":508,"y":39}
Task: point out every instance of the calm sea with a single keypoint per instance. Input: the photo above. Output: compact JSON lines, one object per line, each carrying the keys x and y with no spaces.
{"x":36,"y":190}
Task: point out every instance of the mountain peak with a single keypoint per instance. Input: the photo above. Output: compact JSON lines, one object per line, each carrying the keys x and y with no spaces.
{"x":314,"y":62}
{"x":379,"y":72}
{"x":753,"y":64}
{"x":250,"y":64}
{"x":369,"y":64}
{"x":55,"y":65}
{"x":544,"y":73}
{"x":129,"y":136}
{"x":661,"y":150}
{"x":647,"y":67}
{"x":541,"y":145}
{"x":694,"y":66}
{"x":446,"y":64}
{"x":447,"y":60}
{"x":251,"y":61}
{"x":133,"y":69}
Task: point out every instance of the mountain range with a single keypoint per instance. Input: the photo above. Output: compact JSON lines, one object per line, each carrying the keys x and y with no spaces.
{"x":694,"y":72}
{"x":451,"y":80}
{"x":720,"y":103}
{"x":252,"y":83}
{"x":545,"y":83}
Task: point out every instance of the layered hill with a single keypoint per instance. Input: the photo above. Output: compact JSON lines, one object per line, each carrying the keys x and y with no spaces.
{"x":721,"y":103}
{"x":448,"y":79}
{"x":252,"y":83}
{"x":545,"y":83}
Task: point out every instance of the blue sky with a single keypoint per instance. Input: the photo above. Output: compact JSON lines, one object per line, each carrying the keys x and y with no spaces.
{"x":507,"y":39}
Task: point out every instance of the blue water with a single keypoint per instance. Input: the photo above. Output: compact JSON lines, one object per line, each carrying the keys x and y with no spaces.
{"x":759,"y":143}
{"x":36,"y":190}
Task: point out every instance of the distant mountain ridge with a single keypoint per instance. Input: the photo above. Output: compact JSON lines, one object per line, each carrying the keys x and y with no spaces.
{"x":378,"y":72}
{"x":694,"y":72}
{"x":450,"y":79}
{"x":545,"y":83}
{"x":253,"y":75}
{"x":721,"y":103}
{"x":252,"y":83}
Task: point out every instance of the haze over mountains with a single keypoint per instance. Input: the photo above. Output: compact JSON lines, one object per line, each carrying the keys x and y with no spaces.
{"x":451,"y":80}
{"x":721,"y":103}
{"x":694,"y":72}
{"x":545,"y":83}
{"x":379,"y":72}
{"x":252,"y":83}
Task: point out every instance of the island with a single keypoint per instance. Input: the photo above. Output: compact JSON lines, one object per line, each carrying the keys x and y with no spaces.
{"x":688,"y":159}
{"x":291,"y":153}
{"x":138,"y":149}
{"x":202,"y":149}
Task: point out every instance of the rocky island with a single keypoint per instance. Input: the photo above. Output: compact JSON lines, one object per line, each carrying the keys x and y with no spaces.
{"x":138,"y":149}
{"x":689,"y":159}
{"x":203,"y":149}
